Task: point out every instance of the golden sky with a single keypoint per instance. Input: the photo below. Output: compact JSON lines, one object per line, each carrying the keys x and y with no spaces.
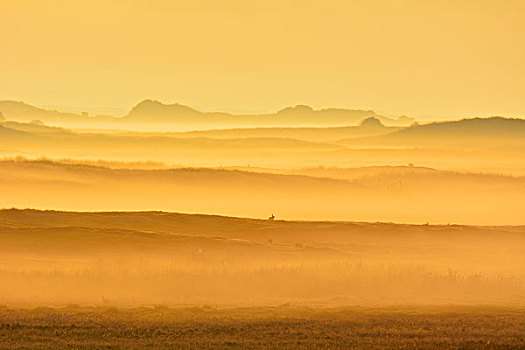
{"x":426,"y":57}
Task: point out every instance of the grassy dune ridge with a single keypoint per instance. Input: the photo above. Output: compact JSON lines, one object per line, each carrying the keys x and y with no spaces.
{"x":397,"y":194}
{"x":145,"y":258}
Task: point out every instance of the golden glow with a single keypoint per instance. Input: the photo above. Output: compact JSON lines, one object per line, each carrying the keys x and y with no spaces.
{"x":394,"y":196}
{"x":426,"y":57}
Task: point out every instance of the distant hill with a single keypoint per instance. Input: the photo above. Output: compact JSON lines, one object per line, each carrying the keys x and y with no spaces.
{"x":154,"y":111}
{"x":27,"y":137}
{"x":157,"y":113}
{"x":369,"y":127}
{"x":466,"y":132}
{"x":7,"y":133}
{"x":161,"y":112}
{"x":494,"y":126}
{"x":20,"y":111}
{"x":34,"y":127}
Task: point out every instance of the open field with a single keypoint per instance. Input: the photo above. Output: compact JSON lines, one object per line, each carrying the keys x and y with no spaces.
{"x":284,"y":327}
{"x":131,"y":259}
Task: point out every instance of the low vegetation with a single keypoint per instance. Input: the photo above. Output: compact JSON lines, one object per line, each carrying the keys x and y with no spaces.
{"x":284,"y":327}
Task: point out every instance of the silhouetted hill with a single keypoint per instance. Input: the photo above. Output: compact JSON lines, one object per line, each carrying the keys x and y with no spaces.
{"x":8,"y":133}
{"x":48,"y":139}
{"x":369,"y":127}
{"x":372,"y":123}
{"x":159,"y":112}
{"x":494,"y":126}
{"x":477,"y":132}
{"x":154,"y":111}
{"x":20,"y":111}
{"x":34,"y":127}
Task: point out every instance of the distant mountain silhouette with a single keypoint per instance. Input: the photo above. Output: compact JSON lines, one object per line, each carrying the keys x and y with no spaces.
{"x":20,"y":111}
{"x":297,"y":109}
{"x":155,"y":112}
{"x":149,"y":111}
{"x":372,"y":123}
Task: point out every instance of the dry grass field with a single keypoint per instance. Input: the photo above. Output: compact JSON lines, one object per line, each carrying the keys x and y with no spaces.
{"x":284,"y":327}
{"x":158,"y":280}
{"x":134,"y":259}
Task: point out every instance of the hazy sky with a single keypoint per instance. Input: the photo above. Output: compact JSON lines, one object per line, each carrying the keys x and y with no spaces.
{"x":426,"y":57}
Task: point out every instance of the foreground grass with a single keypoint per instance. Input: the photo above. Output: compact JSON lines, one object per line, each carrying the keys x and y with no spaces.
{"x":283,"y":327}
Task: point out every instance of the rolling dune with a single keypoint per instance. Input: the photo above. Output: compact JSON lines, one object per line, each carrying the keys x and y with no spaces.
{"x":144,"y":258}
{"x":396,"y":194}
